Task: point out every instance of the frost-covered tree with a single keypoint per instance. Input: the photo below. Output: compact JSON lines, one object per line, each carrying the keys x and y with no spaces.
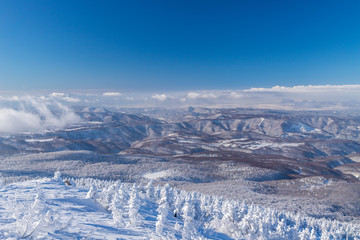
{"x":177,"y":226}
{"x":109,"y":195}
{"x":325,"y":235}
{"x":178,"y":203}
{"x":134,"y":206}
{"x":157,"y":191}
{"x":304,"y":234}
{"x":150,"y":190}
{"x":117,"y":210}
{"x":194,"y":211}
{"x":206,"y":208}
{"x":34,"y":217}
{"x":281,"y":228}
{"x":57,"y":176}
{"x":92,"y":193}
{"x":122,"y":195}
{"x":161,"y":223}
{"x":217,"y":214}
{"x":188,"y":212}
{"x":313,"y":234}
{"x":165,"y":195}
{"x":228,"y":224}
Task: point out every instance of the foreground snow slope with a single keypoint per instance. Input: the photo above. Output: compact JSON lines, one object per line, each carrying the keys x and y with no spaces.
{"x":47,"y":209}
{"x":93,"y":209}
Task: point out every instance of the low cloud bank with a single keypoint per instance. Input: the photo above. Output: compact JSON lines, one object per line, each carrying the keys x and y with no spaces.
{"x":54,"y":110}
{"x":308,"y":89}
{"x":30,"y":114}
{"x":320,"y":97}
{"x":111,"y":94}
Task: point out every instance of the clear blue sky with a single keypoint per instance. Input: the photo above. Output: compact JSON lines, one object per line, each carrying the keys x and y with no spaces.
{"x":177,"y":45}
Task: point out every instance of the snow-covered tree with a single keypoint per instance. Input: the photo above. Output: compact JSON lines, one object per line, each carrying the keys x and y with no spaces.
{"x":92,"y":193}
{"x":313,"y":234}
{"x":228,"y":224}
{"x":217,"y":213}
{"x":161,"y":223}
{"x":117,"y":210}
{"x":189,"y":231}
{"x":122,"y":195}
{"x":57,"y":176}
{"x":178,"y":204}
{"x":150,"y":190}
{"x":206,"y":208}
{"x":304,"y":234}
{"x":134,"y":206}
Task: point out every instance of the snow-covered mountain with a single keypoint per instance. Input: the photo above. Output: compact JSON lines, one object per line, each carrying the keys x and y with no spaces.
{"x":297,"y":162}
{"x":289,"y":141}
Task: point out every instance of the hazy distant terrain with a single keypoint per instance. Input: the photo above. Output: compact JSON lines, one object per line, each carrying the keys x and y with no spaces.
{"x":297,"y":161}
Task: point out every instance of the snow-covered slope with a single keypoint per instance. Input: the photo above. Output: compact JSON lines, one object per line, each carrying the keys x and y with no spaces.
{"x":93,"y":209}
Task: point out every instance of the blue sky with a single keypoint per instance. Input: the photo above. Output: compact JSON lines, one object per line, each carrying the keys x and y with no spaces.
{"x":177,"y":45}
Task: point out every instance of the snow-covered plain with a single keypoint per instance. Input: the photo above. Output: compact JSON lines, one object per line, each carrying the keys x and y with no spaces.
{"x":55,"y":208}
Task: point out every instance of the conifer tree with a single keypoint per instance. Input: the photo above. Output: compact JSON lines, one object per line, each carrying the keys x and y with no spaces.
{"x":189,"y":231}
{"x":134,"y":206}
{"x":150,"y":190}
{"x":163,"y":211}
{"x":117,"y":211}
{"x":92,"y":193}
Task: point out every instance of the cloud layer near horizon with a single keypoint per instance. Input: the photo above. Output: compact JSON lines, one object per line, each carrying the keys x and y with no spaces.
{"x":307,"y":89}
{"x":40,"y":112}
{"x":30,"y":114}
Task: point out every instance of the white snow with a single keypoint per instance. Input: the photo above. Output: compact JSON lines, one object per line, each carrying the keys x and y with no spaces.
{"x":75,"y":129}
{"x":355,"y":158}
{"x":157,"y":175}
{"x":95,"y":122}
{"x":261,"y":121}
{"x":49,"y":209}
{"x":302,"y":128}
{"x":39,"y":140}
{"x":254,"y":145}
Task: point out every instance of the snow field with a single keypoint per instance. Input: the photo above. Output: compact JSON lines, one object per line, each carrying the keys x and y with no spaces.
{"x":95,"y":209}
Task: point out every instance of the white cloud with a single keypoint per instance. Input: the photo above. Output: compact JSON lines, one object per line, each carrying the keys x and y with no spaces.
{"x":208,"y":95}
{"x":308,"y":88}
{"x":235,"y":95}
{"x":14,"y":98}
{"x":35,"y":114}
{"x":205,"y":95}
{"x":62,"y":96}
{"x":12,"y":121}
{"x":71,"y":99}
{"x":57,"y":94}
{"x":111,"y":94}
{"x":192,"y":95}
{"x":160,"y":97}
{"x":311,"y":97}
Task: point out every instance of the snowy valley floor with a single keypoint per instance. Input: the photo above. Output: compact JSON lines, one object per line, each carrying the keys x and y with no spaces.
{"x":92,"y":209}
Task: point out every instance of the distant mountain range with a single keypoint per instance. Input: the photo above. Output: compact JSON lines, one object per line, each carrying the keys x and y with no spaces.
{"x":256,"y":152}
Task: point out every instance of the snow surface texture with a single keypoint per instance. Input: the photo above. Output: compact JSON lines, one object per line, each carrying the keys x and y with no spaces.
{"x":94,"y":209}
